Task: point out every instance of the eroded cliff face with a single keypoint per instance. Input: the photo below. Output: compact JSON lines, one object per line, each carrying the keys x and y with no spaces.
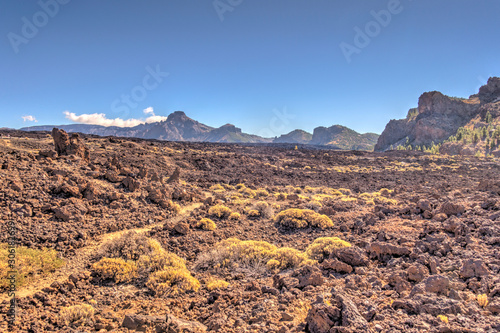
{"x":439,"y":116}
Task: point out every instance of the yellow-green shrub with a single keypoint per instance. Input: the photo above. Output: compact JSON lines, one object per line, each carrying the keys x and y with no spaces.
{"x":322,"y":247}
{"x":280,"y":196}
{"x":147,"y":254}
{"x":263,"y":208}
{"x":287,"y":257}
{"x":158,"y":260}
{"x":175,"y":207}
{"x":253,"y":213}
{"x":213,"y":283}
{"x":302,"y":218}
{"x":217,"y":188}
{"x":77,"y":314}
{"x":129,"y":246}
{"x":314,"y":205}
{"x":385,"y":192}
{"x":261,"y":193}
{"x":207,"y":224}
{"x":220,"y":211}
{"x":172,"y":281}
{"x":482,"y":300}
{"x":30,"y":264}
{"x":234,"y":216}
{"x":116,"y":269}
{"x":248,"y":192}
{"x":443,"y":318}
{"x":233,"y":253}
{"x":345,"y":191}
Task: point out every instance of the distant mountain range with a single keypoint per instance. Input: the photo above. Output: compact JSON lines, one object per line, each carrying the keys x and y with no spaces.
{"x":449,"y":125}
{"x":179,"y":127}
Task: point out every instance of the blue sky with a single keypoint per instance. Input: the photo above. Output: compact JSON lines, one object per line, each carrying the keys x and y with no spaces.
{"x":267,"y":66}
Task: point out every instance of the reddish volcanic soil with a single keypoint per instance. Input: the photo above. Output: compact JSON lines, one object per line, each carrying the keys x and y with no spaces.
{"x":424,"y":232}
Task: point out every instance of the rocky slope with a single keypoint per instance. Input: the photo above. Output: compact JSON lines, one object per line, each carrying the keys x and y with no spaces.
{"x":438,"y":117}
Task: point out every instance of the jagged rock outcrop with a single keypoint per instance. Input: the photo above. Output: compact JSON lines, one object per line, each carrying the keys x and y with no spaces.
{"x":297,"y":136}
{"x":343,"y":138}
{"x":438,"y":117}
{"x":66,"y":145}
{"x":490,"y":93}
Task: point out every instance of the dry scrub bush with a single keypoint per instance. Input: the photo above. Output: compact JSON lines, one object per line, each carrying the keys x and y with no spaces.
{"x":234,"y":253}
{"x":345,"y":191}
{"x":220,"y":211}
{"x":385,"y":192}
{"x":229,"y":187}
{"x":482,"y":300}
{"x":253,"y":213}
{"x":159,"y":259}
{"x":280,"y":196}
{"x":314,"y":205}
{"x":116,"y":269}
{"x":302,"y":218}
{"x":30,"y":263}
{"x":234,"y":216}
{"x":264,"y":209}
{"x":206,"y":224}
{"x":81,"y":314}
{"x":287,"y":257}
{"x":322,"y":247}
{"x":443,"y":318}
{"x":248,"y":192}
{"x":172,"y":281}
{"x":261,"y":193}
{"x":217,"y":188}
{"x":384,"y":200}
{"x":129,"y":246}
{"x":175,"y":207}
{"x":147,"y":254}
{"x":213,"y":283}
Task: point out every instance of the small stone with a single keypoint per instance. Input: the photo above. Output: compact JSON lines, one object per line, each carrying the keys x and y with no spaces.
{"x":182,"y":228}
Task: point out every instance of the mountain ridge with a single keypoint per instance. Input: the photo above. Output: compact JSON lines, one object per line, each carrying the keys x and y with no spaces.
{"x":179,"y":127}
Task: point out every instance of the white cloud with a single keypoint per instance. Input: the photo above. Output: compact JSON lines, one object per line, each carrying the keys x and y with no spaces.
{"x":100,"y":119}
{"x":29,"y":118}
{"x":149,"y":111}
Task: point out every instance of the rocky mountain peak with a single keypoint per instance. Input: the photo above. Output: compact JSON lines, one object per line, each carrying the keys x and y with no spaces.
{"x":177,"y":116}
{"x":490,"y":92}
{"x":230,"y":128}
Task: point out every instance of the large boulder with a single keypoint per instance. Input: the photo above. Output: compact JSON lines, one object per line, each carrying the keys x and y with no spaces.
{"x":66,"y":145}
